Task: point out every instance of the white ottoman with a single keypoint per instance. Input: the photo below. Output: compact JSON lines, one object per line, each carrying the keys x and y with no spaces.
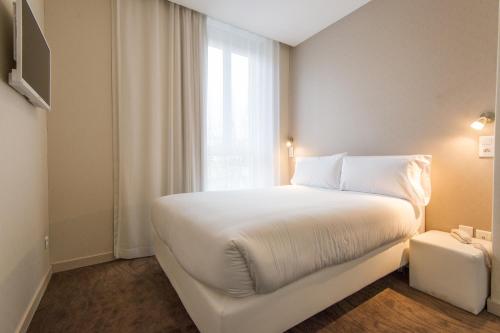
{"x":452,"y":271}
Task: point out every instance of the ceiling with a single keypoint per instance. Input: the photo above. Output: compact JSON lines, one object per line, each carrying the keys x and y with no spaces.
{"x":287,"y":21}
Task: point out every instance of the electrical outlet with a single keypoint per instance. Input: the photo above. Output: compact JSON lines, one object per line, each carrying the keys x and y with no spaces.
{"x":46,"y":242}
{"x":467,"y":229}
{"x":482,"y":234}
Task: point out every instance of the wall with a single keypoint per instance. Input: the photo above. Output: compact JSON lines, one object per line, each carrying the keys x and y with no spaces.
{"x":494,"y":300}
{"x":80,"y":132}
{"x":23,"y":180}
{"x":405,"y":77}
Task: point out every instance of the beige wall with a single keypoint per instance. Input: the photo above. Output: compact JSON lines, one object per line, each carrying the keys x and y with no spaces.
{"x":24,"y":262}
{"x":404,"y":77}
{"x":494,"y":300}
{"x":80,"y":136}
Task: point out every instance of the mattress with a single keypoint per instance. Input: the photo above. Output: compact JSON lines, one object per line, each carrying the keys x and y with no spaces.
{"x":257,"y":241}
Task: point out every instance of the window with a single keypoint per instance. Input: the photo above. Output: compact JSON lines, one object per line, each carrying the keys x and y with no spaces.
{"x":241,"y":124}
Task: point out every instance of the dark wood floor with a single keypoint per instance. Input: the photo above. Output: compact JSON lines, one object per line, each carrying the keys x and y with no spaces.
{"x":135,"y":296}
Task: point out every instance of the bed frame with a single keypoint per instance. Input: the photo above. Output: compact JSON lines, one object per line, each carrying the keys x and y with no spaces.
{"x":214,"y":312}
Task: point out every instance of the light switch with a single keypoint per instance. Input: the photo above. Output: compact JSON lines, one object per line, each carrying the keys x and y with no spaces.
{"x":486,"y":146}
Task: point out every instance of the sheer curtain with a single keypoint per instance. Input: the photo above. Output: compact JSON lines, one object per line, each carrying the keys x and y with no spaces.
{"x":242,"y":110}
{"x":159,"y":52}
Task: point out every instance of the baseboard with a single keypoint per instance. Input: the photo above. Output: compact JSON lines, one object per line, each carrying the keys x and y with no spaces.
{"x":66,"y":265}
{"x":35,"y":301}
{"x":493,"y":307}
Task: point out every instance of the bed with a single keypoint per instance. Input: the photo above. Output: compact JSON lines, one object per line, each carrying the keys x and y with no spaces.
{"x":265,"y":260}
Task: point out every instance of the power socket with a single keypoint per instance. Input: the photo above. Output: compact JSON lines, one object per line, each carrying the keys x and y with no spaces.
{"x":467,"y":229}
{"x":483,"y":234}
{"x":46,"y":242}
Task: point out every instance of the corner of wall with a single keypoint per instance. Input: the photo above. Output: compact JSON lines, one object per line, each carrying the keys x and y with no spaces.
{"x":25,"y":268}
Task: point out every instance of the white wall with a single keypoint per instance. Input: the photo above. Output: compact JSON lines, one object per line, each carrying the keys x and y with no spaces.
{"x":24,"y":262}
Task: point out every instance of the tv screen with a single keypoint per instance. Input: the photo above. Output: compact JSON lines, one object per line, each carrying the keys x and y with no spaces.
{"x":31,"y":77}
{"x":36,"y":55}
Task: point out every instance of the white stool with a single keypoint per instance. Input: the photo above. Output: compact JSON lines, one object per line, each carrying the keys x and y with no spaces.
{"x":447,"y":269}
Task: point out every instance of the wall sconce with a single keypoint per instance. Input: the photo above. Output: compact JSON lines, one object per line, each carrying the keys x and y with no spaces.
{"x":484,"y":118}
{"x":289,"y":145}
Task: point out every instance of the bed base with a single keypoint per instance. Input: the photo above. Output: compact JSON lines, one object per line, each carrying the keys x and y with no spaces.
{"x":214,"y":312}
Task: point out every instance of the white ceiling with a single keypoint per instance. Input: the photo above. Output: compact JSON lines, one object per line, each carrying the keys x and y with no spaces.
{"x":287,"y":21}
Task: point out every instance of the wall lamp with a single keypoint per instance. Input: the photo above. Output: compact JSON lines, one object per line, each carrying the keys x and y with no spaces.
{"x":484,"y":118}
{"x":289,"y":145}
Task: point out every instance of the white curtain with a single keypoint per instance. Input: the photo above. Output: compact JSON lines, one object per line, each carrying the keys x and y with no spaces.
{"x":241,"y":146}
{"x":158,"y":58}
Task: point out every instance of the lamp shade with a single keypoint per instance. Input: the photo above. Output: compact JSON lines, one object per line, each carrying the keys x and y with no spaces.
{"x":484,"y":118}
{"x":479,"y":124}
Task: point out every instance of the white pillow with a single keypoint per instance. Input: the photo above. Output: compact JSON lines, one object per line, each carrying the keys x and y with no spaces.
{"x":405,"y":177}
{"x":318,"y":171}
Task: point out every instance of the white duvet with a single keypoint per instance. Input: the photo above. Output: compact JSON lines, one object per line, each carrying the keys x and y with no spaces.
{"x":256,"y":241}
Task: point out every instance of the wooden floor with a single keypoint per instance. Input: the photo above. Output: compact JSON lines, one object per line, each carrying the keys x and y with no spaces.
{"x":135,"y":296}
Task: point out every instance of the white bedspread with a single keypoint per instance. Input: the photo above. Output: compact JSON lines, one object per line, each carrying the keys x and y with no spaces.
{"x":256,"y":241}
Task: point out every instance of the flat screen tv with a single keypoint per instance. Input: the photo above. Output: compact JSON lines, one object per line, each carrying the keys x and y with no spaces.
{"x":31,"y":75}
